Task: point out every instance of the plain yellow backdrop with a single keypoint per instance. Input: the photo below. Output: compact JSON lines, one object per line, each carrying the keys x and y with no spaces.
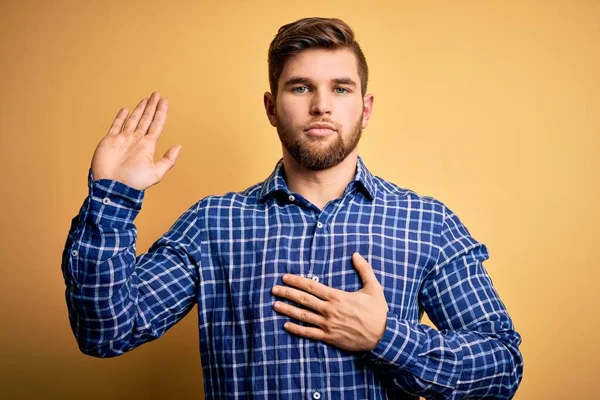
{"x":490,"y":106}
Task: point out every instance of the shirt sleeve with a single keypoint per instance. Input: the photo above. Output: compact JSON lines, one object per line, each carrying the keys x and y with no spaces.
{"x":474,"y":353}
{"x":117,"y":301}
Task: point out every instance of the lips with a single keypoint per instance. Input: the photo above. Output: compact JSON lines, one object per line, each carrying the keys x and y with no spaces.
{"x":320,"y":129}
{"x":321,"y":126}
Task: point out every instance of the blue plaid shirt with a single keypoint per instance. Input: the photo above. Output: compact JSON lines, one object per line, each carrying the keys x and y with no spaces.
{"x":225,"y":253}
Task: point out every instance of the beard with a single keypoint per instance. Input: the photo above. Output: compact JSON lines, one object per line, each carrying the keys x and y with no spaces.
{"x":319,"y":153}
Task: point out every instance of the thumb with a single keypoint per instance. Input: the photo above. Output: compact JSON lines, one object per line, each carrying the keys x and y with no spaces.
{"x":168,"y":160}
{"x":365,"y":270}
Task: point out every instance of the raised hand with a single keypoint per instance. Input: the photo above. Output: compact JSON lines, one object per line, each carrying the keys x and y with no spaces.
{"x":353,"y":321}
{"x":126,"y":153}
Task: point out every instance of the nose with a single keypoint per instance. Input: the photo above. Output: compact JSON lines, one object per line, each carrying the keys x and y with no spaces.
{"x":320,"y":103}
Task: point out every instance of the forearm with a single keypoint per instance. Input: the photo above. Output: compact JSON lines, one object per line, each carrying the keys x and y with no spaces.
{"x":99,"y":269}
{"x":450,"y":364}
{"x":118,"y":301}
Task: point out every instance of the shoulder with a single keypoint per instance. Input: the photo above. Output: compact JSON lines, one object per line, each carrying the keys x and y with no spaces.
{"x":390,"y":192}
{"x":449,"y":231}
{"x":244,"y":199}
{"x":439,"y":212}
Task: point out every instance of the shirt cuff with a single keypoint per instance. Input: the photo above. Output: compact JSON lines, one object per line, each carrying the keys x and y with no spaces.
{"x":112,"y":203}
{"x":397,"y":348}
{"x":421,"y":351}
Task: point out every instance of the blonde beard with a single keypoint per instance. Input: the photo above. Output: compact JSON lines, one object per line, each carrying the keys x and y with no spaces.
{"x":312,"y":154}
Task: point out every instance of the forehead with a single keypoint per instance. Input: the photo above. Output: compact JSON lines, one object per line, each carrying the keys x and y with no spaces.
{"x":321,"y":64}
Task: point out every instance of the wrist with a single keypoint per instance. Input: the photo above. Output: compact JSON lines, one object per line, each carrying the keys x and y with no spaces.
{"x":378,"y":336}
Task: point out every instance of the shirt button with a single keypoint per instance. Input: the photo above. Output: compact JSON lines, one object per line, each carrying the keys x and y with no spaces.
{"x":291,"y":197}
{"x":74,"y":253}
{"x":106,"y":200}
{"x":319,"y":224}
{"x":315,"y":278}
{"x":316,"y":395}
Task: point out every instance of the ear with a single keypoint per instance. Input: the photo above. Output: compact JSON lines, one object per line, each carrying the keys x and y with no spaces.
{"x":367,"y":109}
{"x":269,"y":101}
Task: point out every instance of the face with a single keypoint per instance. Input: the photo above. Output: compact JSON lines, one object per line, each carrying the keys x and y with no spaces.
{"x":319,"y":111}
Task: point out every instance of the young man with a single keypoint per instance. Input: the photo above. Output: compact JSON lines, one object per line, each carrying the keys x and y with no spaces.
{"x":311,"y":284}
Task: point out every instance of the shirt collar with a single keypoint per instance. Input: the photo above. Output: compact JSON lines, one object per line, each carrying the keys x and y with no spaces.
{"x":363,"y":179}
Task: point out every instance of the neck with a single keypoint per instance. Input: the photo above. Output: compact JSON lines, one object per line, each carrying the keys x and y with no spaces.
{"x":319,"y":187}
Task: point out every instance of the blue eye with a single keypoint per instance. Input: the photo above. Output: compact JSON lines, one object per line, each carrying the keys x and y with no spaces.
{"x":343,"y":90}
{"x":299,"y":87}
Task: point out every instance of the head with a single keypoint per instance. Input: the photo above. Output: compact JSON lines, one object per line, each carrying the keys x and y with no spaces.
{"x":318,"y":102}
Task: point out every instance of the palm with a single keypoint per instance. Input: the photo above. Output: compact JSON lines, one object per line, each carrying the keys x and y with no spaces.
{"x":130,"y":163}
{"x":126,"y":153}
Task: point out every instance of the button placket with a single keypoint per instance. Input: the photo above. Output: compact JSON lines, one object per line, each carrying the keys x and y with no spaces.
{"x":317,"y":273}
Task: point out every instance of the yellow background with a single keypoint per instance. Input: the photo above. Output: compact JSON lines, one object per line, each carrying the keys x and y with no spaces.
{"x":492,"y":107}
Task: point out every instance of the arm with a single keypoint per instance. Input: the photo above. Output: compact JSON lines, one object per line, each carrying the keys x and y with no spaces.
{"x":116,"y":301}
{"x":475,"y":353}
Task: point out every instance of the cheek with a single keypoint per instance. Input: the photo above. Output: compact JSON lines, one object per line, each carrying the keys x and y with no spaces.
{"x":290,"y":112}
{"x":357,"y":108}
{"x":353,"y":112}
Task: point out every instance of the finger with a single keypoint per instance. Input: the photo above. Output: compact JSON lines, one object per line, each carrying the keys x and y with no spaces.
{"x":308,"y":285}
{"x":148,"y":116}
{"x":299,"y":314}
{"x":159,"y":120}
{"x":365,"y":271}
{"x":168,"y":160}
{"x":117,"y":124}
{"x":133,"y":119}
{"x":300,"y":297}
{"x":305,"y":331}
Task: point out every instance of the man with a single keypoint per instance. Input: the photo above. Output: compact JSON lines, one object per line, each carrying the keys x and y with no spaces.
{"x":311,"y":284}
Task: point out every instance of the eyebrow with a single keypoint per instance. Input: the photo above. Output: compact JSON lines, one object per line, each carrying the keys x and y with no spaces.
{"x":300,"y":79}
